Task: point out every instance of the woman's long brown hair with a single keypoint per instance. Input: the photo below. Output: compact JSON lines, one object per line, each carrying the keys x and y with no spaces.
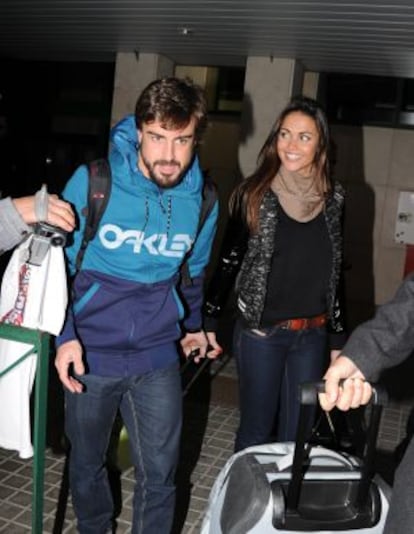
{"x":249,"y":194}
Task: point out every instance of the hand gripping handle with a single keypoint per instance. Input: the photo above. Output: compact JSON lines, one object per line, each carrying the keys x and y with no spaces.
{"x":309,"y":393}
{"x":309,"y":397}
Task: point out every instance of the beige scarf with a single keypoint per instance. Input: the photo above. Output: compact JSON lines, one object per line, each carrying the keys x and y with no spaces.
{"x":302,"y":197}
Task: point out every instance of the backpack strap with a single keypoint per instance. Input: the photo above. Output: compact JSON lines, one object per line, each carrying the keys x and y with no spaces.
{"x":209,"y":195}
{"x":209,"y":199}
{"x":99,"y":190}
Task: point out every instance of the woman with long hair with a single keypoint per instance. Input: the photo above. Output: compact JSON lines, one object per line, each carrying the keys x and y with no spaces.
{"x":284,"y":244}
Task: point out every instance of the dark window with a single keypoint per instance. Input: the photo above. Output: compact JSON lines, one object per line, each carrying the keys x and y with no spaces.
{"x":53,"y":116}
{"x":230,"y":89}
{"x":371,"y":100}
{"x":224,"y":86}
{"x":406,"y":112}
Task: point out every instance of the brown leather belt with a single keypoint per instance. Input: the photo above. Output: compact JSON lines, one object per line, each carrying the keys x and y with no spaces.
{"x":303,"y":323}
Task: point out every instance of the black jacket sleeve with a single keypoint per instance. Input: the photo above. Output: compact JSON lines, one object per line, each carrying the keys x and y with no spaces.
{"x":337,"y":328}
{"x":222,"y":281}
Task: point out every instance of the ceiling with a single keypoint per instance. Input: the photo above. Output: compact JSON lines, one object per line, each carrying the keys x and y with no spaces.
{"x":372,"y":37}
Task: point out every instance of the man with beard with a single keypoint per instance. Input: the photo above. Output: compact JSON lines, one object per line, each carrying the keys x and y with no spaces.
{"x":118,"y":349}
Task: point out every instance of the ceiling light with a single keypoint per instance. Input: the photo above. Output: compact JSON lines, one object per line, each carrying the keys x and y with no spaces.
{"x":186,"y":31}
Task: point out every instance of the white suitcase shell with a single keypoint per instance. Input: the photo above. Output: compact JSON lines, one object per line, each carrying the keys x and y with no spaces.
{"x":232,"y":507}
{"x":295,"y":487}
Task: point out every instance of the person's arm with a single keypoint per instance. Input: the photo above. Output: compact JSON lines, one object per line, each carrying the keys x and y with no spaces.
{"x":336,"y":327}
{"x":383,"y":342}
{"x":193,"y":293}
{"x":388,"y":338}
{"x":69,"y":352}
{"x":337,"y":333}
{"x":16,"y":216}
{"x":231,"y":255}
{"x":75,"y":193}
{"x":58,"y":212}
{"x":12,"y":227}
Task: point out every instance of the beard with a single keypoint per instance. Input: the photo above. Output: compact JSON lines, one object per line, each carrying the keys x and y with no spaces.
{"x":165,"y":180}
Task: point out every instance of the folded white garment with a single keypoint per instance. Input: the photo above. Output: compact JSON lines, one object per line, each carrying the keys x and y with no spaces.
{"x":34,"y":297}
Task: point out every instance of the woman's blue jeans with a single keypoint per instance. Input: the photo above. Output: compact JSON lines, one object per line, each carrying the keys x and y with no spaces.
{"x":151,"y":408}
{"x":272,"y":363}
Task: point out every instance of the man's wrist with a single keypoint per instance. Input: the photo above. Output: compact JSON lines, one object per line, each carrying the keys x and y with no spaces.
{"x":193,"y":330}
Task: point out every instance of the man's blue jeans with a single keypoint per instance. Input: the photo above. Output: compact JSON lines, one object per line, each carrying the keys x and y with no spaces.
{"x":272,"y":363}
{"x":151,"y":408}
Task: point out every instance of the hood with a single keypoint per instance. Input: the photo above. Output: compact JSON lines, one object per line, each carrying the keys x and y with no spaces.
{"x":124,"y":158}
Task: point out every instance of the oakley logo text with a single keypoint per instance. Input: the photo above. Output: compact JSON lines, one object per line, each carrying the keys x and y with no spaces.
{"x":113,"y":237}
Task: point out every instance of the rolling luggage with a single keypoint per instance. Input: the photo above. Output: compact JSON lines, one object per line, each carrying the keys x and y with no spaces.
{"x":298,"y":487}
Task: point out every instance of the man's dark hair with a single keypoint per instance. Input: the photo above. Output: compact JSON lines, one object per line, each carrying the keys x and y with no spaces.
{"x":173,"y":102}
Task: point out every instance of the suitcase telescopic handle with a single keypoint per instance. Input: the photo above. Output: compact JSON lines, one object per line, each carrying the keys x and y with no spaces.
{"x":308,"y":398}
{"x":309,"y":390}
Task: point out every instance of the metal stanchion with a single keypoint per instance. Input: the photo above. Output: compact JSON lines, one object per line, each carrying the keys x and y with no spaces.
{"x":39,"y":342}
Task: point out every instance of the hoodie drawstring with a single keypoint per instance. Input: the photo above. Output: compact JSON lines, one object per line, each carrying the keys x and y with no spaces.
{"x":146,"y":214}
{"x":166,"y":210}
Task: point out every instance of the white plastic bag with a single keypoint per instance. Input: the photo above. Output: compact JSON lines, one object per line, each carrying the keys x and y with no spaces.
{"x":34,"y":297}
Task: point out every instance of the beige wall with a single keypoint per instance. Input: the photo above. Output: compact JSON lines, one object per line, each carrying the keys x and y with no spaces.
{"x":268,"y":85}
{"x":133,"y":72}
{"x":373,"y":164}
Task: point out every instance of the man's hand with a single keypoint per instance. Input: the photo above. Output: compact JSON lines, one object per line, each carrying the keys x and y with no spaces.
{"x":353,"y":392}
{"x":192,"y":342}
{"x":59,"y":212}
{"x":67,"y":354}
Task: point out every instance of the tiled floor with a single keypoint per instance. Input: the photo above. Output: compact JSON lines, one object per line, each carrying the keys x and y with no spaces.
{"x":16,"y":480}
{"x":210,"y":419}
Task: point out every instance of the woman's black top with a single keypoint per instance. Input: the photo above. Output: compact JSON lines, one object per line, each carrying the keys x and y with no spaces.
{"x":301,"y":266}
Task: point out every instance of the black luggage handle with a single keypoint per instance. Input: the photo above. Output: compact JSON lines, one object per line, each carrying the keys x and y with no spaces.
{"x":200,"y":370}
{"x":308,"y":398}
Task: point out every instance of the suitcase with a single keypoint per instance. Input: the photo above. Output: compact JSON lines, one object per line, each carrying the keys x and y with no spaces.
{"x":299,"y":487}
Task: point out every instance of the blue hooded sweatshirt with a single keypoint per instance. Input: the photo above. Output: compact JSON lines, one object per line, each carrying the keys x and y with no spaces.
{"x":126,"y":297}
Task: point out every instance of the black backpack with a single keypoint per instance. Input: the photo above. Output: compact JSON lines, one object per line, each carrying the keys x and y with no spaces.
{"x":99,"y":190}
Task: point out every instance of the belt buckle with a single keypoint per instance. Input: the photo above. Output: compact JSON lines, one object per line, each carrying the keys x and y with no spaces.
{"x":296,"y":324}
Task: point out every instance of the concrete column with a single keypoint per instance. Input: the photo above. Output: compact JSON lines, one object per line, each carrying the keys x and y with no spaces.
{"x":311,"y":84}
{"x":133,"y":72}
{"x":269,"y":84}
